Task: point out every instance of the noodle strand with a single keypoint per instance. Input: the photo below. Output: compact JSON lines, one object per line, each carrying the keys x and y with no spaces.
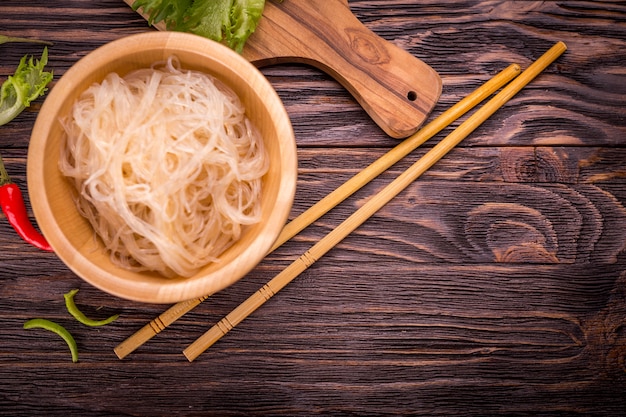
{"x":167,"y":167}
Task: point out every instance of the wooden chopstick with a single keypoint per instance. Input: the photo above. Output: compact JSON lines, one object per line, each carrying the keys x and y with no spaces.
{"x":372,"y":206}
{"x":344,"y":191}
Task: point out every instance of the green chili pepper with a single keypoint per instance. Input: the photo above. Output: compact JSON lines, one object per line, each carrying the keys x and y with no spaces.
{"x":5,"y":39}
{"x":58,"y":329}
{"x":78,"y":315}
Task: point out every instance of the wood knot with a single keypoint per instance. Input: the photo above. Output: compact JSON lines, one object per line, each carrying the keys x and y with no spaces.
{"x":544,"y":164}
{"x":555,"y":165}
{"x":363,"y":45}
{"x":512,"y":233}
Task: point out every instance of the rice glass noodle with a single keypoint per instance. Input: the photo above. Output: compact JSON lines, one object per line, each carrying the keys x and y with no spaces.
{"x":167,"y":167}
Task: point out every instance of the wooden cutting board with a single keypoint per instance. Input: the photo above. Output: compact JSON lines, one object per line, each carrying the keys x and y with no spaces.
{"x":395,"y":88}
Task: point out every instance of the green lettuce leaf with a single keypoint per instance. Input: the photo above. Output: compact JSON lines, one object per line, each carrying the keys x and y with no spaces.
{"x":227,"y":21}
{"x":230,"y":21}
{"x":171,"y":12}
{"x":244,"y":17}
{"x":28,"y":83}
{"x":208,"y":18}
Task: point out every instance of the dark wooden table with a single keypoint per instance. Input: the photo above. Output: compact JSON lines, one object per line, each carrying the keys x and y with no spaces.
{"x":495,"y":284}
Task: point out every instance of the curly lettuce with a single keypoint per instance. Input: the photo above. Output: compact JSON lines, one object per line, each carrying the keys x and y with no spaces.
{"x":227,"y":21}
{"x":170,"y":12}
{"x":28,"y":83}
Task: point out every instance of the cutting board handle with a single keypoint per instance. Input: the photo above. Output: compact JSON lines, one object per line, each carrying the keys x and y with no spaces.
{"x":395,"y":88}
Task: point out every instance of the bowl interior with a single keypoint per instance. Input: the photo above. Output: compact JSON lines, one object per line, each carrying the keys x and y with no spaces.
{"x":71,"y":235}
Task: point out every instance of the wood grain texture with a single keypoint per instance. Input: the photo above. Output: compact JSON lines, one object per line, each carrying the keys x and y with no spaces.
{"x":494,"y":285}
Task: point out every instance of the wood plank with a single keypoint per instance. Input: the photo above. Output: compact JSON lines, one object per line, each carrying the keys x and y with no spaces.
{"x":414,"y":341}
{"x":561,"y":199}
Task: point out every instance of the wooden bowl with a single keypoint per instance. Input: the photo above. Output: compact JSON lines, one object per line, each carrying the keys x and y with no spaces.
{"x":72,"y":237}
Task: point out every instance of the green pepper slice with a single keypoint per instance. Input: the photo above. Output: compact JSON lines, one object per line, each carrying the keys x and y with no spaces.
{"x":58,"y":329}
{"x":79,"y":315}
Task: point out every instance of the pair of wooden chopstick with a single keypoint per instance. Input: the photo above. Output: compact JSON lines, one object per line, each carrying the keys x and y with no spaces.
{"x":344,"y":191}
{"x":363,"y":213}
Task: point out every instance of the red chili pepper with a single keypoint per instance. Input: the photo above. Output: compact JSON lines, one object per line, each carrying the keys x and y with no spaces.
{"x":12,"y":203}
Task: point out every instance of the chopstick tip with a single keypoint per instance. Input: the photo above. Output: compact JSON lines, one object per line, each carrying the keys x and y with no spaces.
{"x":189,"y":356}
